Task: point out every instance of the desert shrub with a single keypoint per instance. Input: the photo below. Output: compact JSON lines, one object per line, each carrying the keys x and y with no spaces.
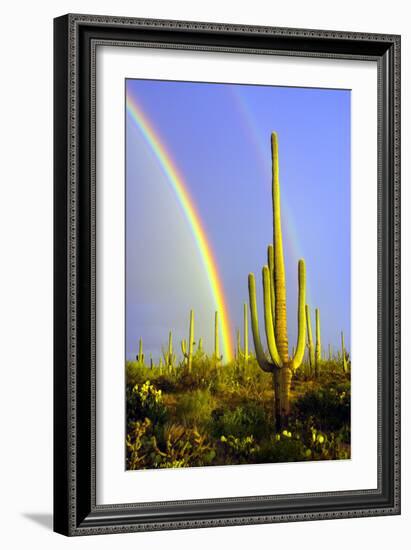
{"x":331,"y":374}
{"x":183,"y":447}
{"x":249,"y":418}
{"x":283,"y":447}
{"x":238,"y":450}
{"x":190,"y":381}
{"x":328,"y":406}
{"x":138,"y":444}
{"x":136,"y":373}
{"x":299,"y":443}
{"x":328,"y":446}
{"x":194,"y":408}
{"x":244,"y":380}
{"x":166,"y":383}
{"x":177,"y":447}
{"x":201,"y":376}
{"x":145,"y":401}
{"x":304,"y":372}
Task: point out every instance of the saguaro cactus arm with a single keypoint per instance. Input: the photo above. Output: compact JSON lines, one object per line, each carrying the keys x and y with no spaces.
{"x":268,"y":319}
{"x":299,"y":353}
{"x":270,"y":259}
{"x":259,"y":351}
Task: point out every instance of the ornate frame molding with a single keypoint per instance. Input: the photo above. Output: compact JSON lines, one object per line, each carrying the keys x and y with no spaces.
{"x":76,"y":40}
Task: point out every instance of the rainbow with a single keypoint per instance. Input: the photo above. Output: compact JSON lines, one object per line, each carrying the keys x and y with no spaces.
{"x":180,"y":188}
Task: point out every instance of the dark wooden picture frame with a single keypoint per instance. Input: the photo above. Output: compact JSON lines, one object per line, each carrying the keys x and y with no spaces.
{"x":75,"y":508}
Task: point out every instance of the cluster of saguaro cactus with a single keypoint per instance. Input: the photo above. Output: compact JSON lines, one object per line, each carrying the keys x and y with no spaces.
{"x":242,"y":353}
{"x":280,"y":364}
{"x":188,"y":350}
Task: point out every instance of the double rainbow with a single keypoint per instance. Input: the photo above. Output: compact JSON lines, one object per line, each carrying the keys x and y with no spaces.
{"x":203,"y":245}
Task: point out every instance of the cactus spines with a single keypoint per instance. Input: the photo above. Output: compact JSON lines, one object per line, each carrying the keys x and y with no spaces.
{"x":140,"y":355}
{"x":343,"y":355}
{"x":275,"y":315}
{"x":217,"y":355}
{"x":310,"y":344}
{"x":188,"y":352}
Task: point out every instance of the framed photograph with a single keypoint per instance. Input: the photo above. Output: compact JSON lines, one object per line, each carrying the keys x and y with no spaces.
{"x":227,"y":274}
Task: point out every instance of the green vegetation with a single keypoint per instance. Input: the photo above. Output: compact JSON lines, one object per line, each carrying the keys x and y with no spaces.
{"x":223,"y":414}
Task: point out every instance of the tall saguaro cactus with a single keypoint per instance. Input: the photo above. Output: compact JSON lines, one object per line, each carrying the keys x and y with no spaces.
{"x":280,"y":364}
{"x":188,"y":352}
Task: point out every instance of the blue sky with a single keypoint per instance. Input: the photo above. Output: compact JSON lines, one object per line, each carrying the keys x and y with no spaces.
{"x":219,"y":138}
